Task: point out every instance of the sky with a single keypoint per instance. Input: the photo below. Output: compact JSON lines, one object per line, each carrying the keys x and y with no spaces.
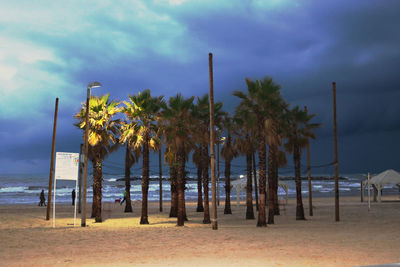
{"x":51,"y":49}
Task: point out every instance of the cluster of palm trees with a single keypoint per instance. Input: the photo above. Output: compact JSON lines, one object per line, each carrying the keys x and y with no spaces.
{"x":262,"y":120}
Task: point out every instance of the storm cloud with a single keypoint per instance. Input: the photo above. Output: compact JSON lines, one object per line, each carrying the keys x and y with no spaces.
{"x":54,"y":50}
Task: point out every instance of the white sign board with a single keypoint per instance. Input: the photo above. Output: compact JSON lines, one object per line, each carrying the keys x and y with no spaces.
{"x":67,"y":166}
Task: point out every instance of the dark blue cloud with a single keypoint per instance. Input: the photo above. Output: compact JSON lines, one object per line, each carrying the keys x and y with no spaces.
{"x":303,"y":45}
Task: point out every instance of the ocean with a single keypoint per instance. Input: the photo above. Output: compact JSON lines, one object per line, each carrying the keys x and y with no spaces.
{"x":25,"y":188}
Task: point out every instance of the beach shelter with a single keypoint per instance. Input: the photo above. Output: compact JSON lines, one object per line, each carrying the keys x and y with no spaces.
{"x":241,"y":183}
{"x":380,"y":180}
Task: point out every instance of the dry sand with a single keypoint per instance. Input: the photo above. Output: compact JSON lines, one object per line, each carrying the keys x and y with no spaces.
{"x":360,"y":238}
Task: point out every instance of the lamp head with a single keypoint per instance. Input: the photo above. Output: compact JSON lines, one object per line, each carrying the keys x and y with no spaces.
{"x":94,"y":84}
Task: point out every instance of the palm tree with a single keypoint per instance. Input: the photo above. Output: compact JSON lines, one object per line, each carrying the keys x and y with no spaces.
{"x":129,"y":160}
{"x":160,"y":176}
{"x":260,"y":99}
{"x":103,"y":133}
{"x":170,"y":159}
{"x":202,"y":137}
{"x":228,"y":152}
{"x":274,"y":140}
{"x":177,"y":129}
{"x":245,"y":122}
{"x":197,"y":160}
{"x":143,"y":111}
{"x":198,"y":157}
{"x":131,"y":157}
{"x":299,"y":130}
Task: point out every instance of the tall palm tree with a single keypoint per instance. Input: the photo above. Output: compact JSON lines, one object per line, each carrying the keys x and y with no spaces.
{"x":245,"y":122}
{"x":170,"y":159}
{"x":159,"y":148}
{"x":131,"y":157}
{"x":103,"y":140}
{"x":129,"y":160}
{"x":260,"y":99}
{"x":177,"y":130}
{"x":273,"y":130}
{"x":198,"y":151}
{"x":143,"y":113}
{"x":299,"y":130}
{"x":228,"y":152}
{"x":197,"y":160}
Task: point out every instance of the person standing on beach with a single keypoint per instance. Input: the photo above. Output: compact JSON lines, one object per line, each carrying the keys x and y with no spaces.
{"x":73,"y":197}
{"x":42,"y":199}
{"x":124,"y":198}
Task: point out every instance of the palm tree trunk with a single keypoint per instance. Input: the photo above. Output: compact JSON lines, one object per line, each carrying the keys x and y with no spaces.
{"x":97,"y":186}
{"x":262,"y":221}
{"x":181,"y":183}
{"x":227,"y":209}
{"x":200,"y":207}
{"x":174,"y":193}
{"x":271,"y":169}
{"x":255,"y":178}
{"x":128,"y":204}
{"x":205,"y":164}
{"x":276,"y":178}
{"x":249,"y":189}
{"x":299,"y":200}
{"x":184,"y":183}
{"x":160,"y":173}
{"x":184,"y":187}
{"x":145,"y":181}
{"x":94,"y":203}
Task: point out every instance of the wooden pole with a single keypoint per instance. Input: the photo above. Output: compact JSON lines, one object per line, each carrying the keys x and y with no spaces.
{"x":309,"y":175}
{"x":362,"y":191}
{"x":53,"y":145}
{"x":214,"y":222}
{"x":336,"y":156}
{"x":218,"y":173}
{"x":80,"y":179}
{"x":160,"y":169}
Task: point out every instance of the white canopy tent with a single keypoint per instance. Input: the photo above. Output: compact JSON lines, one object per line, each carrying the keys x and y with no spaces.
{"x":241,"y":184}
{"x":380,"y":180}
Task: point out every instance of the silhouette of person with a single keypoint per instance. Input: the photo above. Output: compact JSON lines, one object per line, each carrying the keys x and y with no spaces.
{"x":124,"y":198}
{"x":42,"y":199}
{"x":73,"y":197}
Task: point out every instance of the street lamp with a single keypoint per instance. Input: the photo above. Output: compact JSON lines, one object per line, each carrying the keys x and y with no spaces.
{"x":90,"y":86}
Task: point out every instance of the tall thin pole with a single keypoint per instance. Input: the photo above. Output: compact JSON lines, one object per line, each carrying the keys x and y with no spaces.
{"x":80,"y":180}
{"x":76,"y":189}
{"x":83,"y":218}
{"x":160,"y":166}
{"x":336,"y":156}
{"x":218,"y":172}
{"x":214,"y":222}
{"x":53,"y":145}
{"x":54,"y":204}
{"x":309,"y":175}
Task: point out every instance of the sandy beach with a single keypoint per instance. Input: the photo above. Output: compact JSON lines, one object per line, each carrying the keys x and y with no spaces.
{"x":361,"y":237}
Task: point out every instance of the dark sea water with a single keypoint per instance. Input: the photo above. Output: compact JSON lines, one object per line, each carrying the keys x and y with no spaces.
{"x":19,"y":189}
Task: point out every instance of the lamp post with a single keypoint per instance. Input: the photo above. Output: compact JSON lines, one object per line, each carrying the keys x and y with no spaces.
{"x":90,"y":86}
